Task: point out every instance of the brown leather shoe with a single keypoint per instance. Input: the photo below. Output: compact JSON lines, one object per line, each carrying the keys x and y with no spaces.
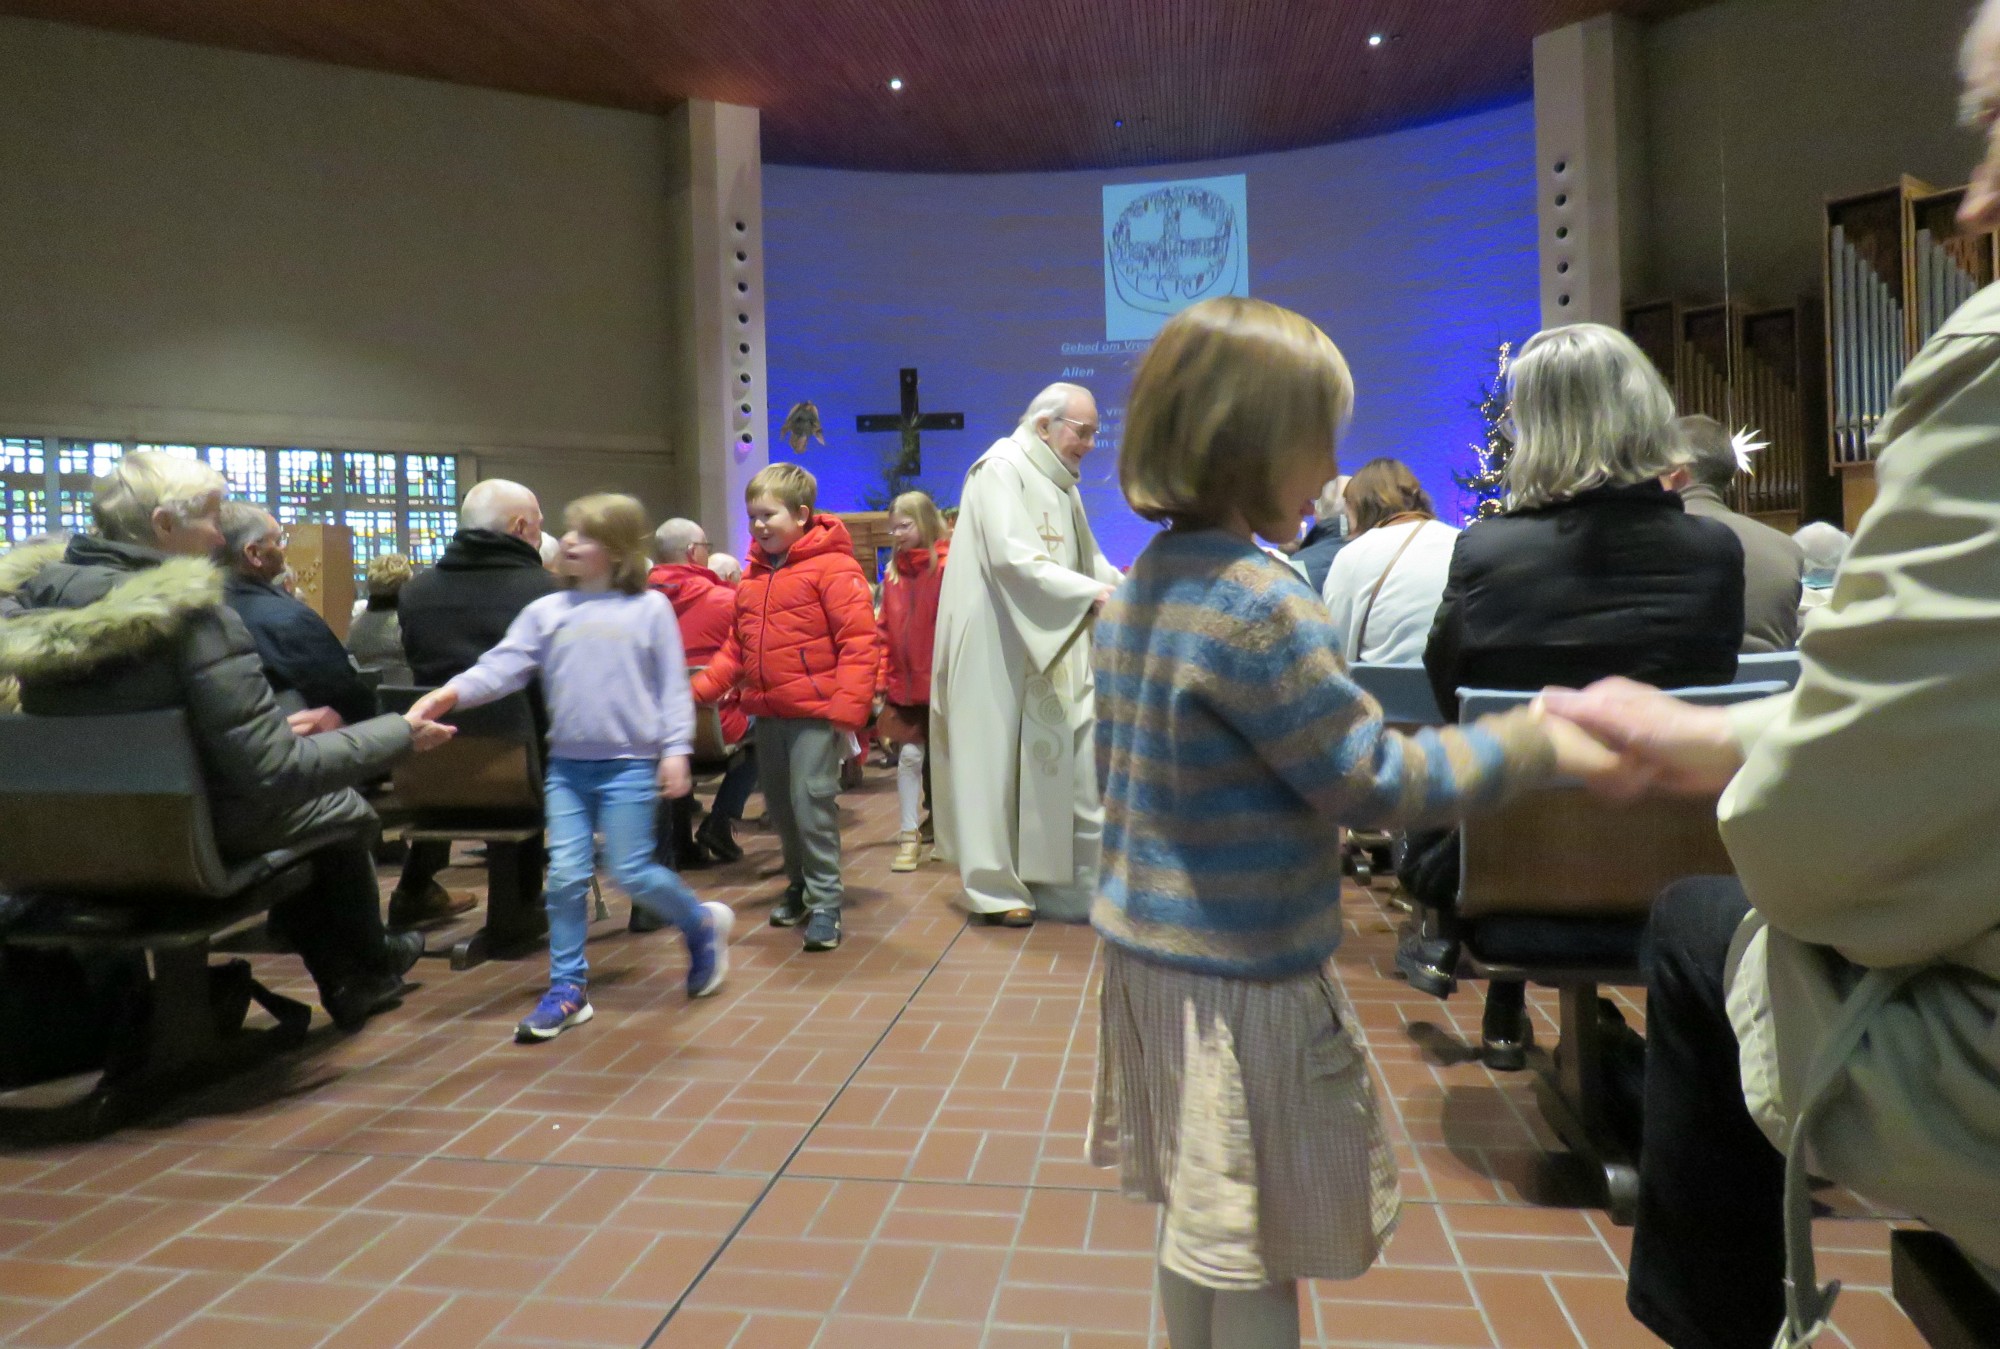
{"x":1011,"y":918}
{"x":435,"y":905}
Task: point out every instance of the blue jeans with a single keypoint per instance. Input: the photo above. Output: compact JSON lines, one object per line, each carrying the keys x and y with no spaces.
{"x":618,"y":796}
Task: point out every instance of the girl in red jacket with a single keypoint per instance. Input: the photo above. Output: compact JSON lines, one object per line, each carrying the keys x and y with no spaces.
{"x":805,"y":655}
{"x":909,"y":630}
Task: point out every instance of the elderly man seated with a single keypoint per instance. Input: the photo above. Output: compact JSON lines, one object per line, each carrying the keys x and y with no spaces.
{"x":132,"y":619}
{"x":1837,"y":998}
{"x":302,"y":656}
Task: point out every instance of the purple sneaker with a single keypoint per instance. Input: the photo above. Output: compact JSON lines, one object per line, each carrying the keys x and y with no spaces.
{"x":561,"y":1007}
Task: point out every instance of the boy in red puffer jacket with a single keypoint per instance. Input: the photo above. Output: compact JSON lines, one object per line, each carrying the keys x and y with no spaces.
{"x":909,"y":631}
{"x":804,"y":654}
{"x":706,"y":608}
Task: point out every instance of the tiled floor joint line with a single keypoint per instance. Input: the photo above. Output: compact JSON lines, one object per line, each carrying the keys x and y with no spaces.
{"x":716,"y":1255}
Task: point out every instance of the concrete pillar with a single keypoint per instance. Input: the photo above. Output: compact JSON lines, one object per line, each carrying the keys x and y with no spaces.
{"x":721,"y":424}
{"x":1590,"y":169}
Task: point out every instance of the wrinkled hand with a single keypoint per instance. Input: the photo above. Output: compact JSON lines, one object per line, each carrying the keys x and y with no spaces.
{"x":675,"y":779}
{"x":1097,"y":605}
{"x":1602,"y":769}
{"x":314,"y":721}
{"x":427,"y":735}
{"x":1681,"y":747}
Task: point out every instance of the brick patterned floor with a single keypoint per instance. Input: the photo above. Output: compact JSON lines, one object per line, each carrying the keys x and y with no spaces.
{"x":879,"y":1147}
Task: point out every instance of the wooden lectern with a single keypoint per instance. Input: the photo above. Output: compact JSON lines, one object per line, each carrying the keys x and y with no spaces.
{"x":322,"y":560}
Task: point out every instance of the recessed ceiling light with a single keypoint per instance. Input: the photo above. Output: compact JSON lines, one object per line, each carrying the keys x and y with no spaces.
{"x":1374,"y":39}
{"x":896,"y":85}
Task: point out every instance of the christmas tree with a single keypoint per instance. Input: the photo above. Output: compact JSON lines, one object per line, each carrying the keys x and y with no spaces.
{"x":1486,"y":484}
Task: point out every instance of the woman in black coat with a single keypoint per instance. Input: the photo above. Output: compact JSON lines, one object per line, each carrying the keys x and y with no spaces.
{"x":1593,"y":570}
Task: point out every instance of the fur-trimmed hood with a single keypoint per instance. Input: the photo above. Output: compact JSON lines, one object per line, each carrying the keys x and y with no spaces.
{"x":73,"y":610}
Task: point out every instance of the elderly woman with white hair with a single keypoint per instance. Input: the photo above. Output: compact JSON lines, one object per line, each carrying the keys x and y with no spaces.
{"x":1593,"y":569}
{"x":132,"y":618}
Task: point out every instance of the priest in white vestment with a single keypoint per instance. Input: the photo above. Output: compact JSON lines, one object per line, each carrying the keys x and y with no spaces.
{"x":1013,"y":717}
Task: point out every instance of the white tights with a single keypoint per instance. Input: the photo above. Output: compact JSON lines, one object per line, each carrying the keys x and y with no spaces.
{"x":910,"y":786}
{"x":1204,"y":1318}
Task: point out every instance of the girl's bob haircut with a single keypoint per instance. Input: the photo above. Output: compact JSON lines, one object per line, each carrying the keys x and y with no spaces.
{"x":1233,"y":393}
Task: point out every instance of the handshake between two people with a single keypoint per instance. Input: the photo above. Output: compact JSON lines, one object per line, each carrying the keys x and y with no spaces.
{"x":427,"y":732}
{"x":1623,"y":739}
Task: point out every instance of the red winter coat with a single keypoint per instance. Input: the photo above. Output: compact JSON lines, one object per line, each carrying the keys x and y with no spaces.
{"x":706,"y":608}
{"x":804,"y":644}
{"x":909,"y":624}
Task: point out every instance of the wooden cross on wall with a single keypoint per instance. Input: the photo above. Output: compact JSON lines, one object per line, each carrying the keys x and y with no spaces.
{"x":912,"y":419}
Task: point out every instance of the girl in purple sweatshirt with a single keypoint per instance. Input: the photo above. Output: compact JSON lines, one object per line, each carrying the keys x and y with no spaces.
{"x":621,"y":724}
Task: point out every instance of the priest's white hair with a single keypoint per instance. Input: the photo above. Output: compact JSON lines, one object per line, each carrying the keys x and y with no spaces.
{"x":1051,"y":403}
{"x":672,"y":540}
{"x":495,"y":504}
{"x":1979,"y":58}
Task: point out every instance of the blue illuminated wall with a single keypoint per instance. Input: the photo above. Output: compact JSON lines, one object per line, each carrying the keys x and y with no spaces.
{"x":1415,"y":251}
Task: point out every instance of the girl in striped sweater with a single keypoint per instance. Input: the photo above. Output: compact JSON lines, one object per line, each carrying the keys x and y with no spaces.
{"x":1231,"y":746}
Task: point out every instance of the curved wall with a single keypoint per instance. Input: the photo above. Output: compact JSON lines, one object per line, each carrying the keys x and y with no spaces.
{"x":1415,"y":251}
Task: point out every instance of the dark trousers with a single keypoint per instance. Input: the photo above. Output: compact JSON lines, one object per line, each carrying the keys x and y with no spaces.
{"x":734,"y":791}
{"x":426,"y":859}
{"x":1708,"y":1247}
{"x":335,"y":923}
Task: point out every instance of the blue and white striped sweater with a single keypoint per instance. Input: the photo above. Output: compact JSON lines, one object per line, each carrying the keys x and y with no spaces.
{"x":1231,"y":744}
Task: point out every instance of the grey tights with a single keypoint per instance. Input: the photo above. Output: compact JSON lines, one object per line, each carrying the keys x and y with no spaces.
{"x":1205,"y":1318}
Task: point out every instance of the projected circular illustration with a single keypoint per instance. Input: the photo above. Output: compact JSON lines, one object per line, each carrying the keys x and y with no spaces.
{"x":1174,"y":246}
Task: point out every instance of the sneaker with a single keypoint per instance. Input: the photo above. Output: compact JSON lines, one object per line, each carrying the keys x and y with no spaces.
{"x":561,"y":1007}
{"x":434,"y":905}
{"x":823,"y":930}
{"x":791,"y":910}
{"x":909,"y":853}
{"x":708,"y":950}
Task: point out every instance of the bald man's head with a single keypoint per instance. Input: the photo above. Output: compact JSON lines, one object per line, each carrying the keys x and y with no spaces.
{"x":505,"y":508}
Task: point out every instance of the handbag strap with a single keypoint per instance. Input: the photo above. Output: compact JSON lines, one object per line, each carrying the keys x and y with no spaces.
{"x":1361,"y":637}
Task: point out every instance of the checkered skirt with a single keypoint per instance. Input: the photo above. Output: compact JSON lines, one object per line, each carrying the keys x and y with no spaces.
{"x":1245,"y":1109}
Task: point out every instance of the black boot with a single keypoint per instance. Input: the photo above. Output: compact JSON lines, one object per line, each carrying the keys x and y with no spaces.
{"x":1505,"y":1032}
{"x":715,"y":837}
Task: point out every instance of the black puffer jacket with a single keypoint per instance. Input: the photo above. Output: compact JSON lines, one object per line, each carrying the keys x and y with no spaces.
{"x":455,"y":612}
{"x":106,"y":627}
{"x":1613,"y":581}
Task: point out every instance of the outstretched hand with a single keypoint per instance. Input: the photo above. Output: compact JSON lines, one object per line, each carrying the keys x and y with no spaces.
{"x":1670,"y":745}
{"x":427,"y":735}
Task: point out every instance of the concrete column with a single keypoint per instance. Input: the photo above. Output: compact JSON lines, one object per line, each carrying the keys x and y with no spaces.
{"x":721,"y":423}
{"x":1590,"y":169}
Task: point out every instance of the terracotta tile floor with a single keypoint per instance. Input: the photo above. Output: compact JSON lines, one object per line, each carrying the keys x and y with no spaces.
{"x":880,"y":1147}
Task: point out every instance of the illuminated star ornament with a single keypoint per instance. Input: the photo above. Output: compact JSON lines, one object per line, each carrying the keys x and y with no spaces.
{"x":1746,"y":443}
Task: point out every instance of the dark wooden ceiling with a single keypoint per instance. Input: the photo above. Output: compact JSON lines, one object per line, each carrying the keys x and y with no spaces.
{"x":988,"y":84}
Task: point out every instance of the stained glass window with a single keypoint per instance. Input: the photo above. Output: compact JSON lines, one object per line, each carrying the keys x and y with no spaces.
{"x":432,"y":478}
{"x":430,"y":531}
{"x":246,"y":470}
{"x":24,"y":500}
{"x":89,"y":458}
{"x":305,"y":485}
{"x":392,"y":502}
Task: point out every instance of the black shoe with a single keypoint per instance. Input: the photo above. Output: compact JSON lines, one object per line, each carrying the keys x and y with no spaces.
{"x":823,"y":930}
{"x":644,"y":920}
{"x":1429,"y":963}
{"x":791,"y":910}
{"x":713,"y":834}
{"x":1506,"y":1032}
{"x":352,"y":1003}
{"x":690,"y":855}
{"x":405,"y":950}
